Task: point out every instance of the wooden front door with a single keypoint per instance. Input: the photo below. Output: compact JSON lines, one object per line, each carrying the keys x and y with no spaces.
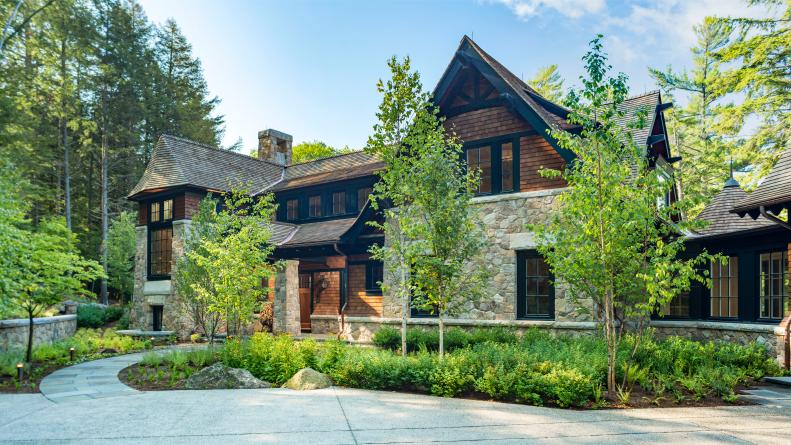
{"x":305,"y":297}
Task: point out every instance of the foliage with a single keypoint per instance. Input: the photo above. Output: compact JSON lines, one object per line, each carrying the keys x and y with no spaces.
{"x":609,"y":239}
{"x":703,"y":136}
{"x":95,"y":316}
{"x":87,"y":344}
{"x":755,"y":65}
{"x":227,"y":260}
{"x":548,"y":83}
{"x":430,"y":226}
{"x":536,"y":369}
{"x":455,"y":338}
{"x":121,"y":248}
{"x":312,"y":150}
{"x":83,"y":69}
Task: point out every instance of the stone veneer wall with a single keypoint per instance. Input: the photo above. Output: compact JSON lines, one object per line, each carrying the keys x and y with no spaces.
{"x":159,"y":292}
{"x":14,"y":333}
{"x":286,"y":305}
{"x":505,"y":219}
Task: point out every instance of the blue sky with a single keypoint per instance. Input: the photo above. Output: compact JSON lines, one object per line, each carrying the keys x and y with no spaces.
{"x":309,"y":68}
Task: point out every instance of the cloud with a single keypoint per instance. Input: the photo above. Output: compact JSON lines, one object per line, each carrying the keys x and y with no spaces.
{"x":524,"y":9}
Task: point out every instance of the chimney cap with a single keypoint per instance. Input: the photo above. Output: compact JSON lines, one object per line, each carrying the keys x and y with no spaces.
{"x":271,"y":132}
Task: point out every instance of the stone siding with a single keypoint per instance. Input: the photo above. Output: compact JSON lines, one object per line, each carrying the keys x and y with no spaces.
{"x":14,"y":333}
{"x":742,"y":333}
{"x":286,"y":305}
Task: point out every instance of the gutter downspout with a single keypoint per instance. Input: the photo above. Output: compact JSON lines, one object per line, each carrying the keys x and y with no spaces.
{"x":345,"y":290}
{"x":786,"y":320}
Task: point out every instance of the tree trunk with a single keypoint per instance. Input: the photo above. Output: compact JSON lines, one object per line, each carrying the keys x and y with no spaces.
{"x":610,"y":337}
{"x":404,"y":302}
{"x":29,"y":353}
{"x":441,"y":335}
{"x":105,"y":209}
{"x":65,"y":135}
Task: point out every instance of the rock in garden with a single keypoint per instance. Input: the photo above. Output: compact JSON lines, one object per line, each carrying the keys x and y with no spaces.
{"x":219,"y":376}
{"x":306,"y":379}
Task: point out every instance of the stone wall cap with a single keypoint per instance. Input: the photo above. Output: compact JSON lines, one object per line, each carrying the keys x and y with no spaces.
{"x":18,"y":322}
{"x":518,"y":195}
{"x":714,"y":325}
{"x":472,"y":322}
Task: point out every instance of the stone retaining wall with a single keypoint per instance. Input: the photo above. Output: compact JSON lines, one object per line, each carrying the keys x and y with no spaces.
{"x":14,"y":333}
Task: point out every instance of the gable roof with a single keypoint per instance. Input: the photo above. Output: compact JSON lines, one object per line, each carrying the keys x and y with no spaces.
{"x":334,"y":168}
{"x":541,"y":113}
{"x":181,"y":162}
{"x":774,"y":192}
{"x":718,"y":213}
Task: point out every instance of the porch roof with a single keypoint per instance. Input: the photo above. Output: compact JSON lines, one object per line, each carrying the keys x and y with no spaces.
{"x":774,"y":193}
{"x":311,"y":234}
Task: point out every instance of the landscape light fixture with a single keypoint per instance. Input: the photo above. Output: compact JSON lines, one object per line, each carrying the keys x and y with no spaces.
{"x":20,"y":369}
{"x":71,"y":354}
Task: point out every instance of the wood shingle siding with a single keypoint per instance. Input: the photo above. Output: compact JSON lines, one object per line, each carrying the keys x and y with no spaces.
{"x":361,"y":304}
{"x":327,"y":301}
{"x":486,"y":123}
{"x":536,"y":153}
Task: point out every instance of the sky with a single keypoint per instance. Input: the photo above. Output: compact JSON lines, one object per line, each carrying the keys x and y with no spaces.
{"x":309,"y":68}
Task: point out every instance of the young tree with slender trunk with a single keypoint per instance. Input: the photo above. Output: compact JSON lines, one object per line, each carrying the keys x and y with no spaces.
{"x":614,"y":238}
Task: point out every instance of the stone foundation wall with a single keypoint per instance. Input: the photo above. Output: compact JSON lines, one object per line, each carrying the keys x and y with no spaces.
{"x":14,"y":333}
{"x":286,"y":305}
{"x":742,"y":333}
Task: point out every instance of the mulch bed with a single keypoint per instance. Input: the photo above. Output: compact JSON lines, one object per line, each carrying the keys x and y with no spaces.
{"x":30,"y":383}
{"x":147,"y":378}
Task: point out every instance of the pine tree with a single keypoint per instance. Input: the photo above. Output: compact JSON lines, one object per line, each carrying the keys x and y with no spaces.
{"x":548,"y":83}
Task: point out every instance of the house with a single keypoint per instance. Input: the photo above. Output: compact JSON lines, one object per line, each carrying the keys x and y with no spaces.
{"x":330,"y":284}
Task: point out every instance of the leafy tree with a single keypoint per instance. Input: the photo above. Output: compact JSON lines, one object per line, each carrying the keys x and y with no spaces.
{"x":121,"y":255}
{"x":227,"y":260}
{"x":704,"y":137}
{"x":311,"y":150}
{"x":609,"y":240}
{"x":757,"y":63}
{"x":548,"y":83}
{"x":430,"y":229}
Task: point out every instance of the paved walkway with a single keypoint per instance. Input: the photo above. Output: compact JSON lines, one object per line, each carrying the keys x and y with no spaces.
{"x":89,"y":380}
{"x":349,"y":416}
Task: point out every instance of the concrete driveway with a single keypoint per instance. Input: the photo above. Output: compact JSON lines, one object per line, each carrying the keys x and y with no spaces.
{"x":347,"y":416}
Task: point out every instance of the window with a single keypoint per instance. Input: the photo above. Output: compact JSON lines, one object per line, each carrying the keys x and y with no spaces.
{"x":167,"y":210}
{"x":160,"y":254}
{"x":678,"y":307}
{"x":154,"y":215}
{"x":339,"y":203}
{"x":773,"y":285}
{"x":292,"y":209}
{"x":506,"y":168}
{"x":305,"y":281}
{"x":362,"y":196}
{"x":725,"y":288}
{"x":535,"y":292}
{"x":374,"y":275}
{"x":161,"y":211}
{"x":314,"y":206}
{"x":480,"y":158}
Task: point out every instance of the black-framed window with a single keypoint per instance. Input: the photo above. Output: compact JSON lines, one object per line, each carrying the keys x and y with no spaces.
{"x":678,"y":307}
{"x":292,"y":209}
{"x":374,"y":275}
{"x":497,"y":159}
{"x":160,"y":239}
{"x":535,"y":292}
{"x":339,"y":203}
{"x":724,"y":294}
{"x":362,"y":196}
{"x":773,"y":285}
{"x":314,"y":206}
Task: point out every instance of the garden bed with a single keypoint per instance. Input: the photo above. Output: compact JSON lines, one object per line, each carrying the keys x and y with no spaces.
{"x":88,"y":344}
{"x":536,"y":369}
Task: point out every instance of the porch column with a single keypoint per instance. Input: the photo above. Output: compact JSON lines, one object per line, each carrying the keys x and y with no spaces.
{"x":286,"y":305}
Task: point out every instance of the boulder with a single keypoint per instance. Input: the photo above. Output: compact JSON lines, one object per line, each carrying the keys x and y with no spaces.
{"x":219,"y":376}
{"x":306,"y":379}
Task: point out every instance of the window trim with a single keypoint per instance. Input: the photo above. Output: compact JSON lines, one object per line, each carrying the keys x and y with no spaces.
{"x":496,"y":144}
{"x":521,"y":291}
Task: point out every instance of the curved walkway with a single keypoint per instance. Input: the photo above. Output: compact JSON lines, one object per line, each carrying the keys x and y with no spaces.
{"x":96,"y":379}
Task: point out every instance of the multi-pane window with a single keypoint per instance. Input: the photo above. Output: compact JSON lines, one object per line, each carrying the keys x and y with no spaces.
{"x":535,"y":292}
{"x":160,"y":253}
{"x":678,"y":306}
{"x":314,"y":206}
{"x":167,"y":210}
{"x":773,"y":285}
{"x":305,"y":280}
{"x":362,"y":196}
{"x":292,"y":209}
{"x":480,"y":158}
{"x":374,"y":275}
{"x":154,"y":216}
{"x":507,"y":167}
{"x":161,"y":211}
{"x":339,"y":203}
{"x":725,"y":288}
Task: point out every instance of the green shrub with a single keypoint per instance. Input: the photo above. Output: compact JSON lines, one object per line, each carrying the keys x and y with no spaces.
{"x":90,"y":316}
{"x":387,"y":337}
{"x":113,"y":313}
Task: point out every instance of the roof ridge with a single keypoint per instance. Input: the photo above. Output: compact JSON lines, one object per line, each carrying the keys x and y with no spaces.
{"x":210,"y":147}
{"x":327,"y":157}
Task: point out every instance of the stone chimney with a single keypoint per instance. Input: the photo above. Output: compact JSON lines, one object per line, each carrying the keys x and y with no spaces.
{"x":274,"y":146}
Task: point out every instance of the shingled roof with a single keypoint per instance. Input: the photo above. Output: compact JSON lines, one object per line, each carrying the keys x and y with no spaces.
{"x":334,"y":168}
{"x":773,"y":193}
{"x":311,"y":234}
{"x":719,"y":217}
{"x":181,"y":162}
